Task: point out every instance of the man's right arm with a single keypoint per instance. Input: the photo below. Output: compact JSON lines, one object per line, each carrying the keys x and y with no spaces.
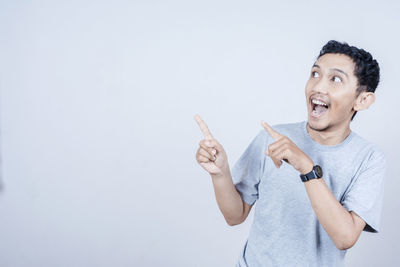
{"x":234,"y":209}
{"x":212,"y":157}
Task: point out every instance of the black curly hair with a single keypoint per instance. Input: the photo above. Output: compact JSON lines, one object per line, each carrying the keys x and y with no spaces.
{"x":366,"y":68}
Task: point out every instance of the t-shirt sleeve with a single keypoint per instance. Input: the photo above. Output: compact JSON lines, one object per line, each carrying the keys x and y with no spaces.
{"x":247,"y":171}
{"x":365,"y":197}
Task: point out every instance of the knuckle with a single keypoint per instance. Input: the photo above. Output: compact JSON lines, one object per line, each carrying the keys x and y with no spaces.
{"x":202,"y":146}
{"x":204,"y":152}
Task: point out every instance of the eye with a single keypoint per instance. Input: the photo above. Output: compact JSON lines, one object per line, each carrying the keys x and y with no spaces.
{"x":314,"y":74}
{"x":337,"y":79}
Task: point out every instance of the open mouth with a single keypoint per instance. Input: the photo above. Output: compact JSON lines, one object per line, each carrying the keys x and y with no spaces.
{"x":318,"y":107}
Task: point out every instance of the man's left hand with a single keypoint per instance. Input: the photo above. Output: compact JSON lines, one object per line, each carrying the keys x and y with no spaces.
{"x":284,"y":149}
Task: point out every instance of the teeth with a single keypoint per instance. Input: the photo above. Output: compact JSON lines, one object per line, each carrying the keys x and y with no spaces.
{"x":317,"y":102}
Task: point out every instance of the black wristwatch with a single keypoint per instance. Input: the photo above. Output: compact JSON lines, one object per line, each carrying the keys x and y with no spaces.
{"x":315,"y":173}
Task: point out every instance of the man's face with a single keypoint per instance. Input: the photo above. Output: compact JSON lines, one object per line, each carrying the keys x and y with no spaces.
{"x":331,"y":92}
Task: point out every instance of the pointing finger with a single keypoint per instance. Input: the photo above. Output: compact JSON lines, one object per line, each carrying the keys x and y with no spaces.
{"x":271,"y":131}
{"x":203,"y":127}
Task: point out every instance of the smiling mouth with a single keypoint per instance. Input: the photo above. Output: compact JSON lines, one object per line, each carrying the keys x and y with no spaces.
{"x":318,"y":108}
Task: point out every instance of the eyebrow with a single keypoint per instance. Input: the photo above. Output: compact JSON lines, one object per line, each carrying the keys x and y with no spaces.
{"x":335,"y":69}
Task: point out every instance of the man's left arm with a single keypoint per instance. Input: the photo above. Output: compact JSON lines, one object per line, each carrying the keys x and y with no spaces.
{"x":343,"y":227}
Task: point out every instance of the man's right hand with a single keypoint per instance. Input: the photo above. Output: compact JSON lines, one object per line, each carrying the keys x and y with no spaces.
{"x":211,"y":155}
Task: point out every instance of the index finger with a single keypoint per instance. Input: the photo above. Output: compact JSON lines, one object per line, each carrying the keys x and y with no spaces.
{"x":203,"y":127}
{"x":271,"y":131}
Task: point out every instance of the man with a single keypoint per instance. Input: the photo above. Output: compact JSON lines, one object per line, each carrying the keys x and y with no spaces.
{"x":317,"y":184}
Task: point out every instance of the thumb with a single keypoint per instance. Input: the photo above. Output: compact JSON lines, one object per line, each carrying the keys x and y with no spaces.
{"x":214,"y":143}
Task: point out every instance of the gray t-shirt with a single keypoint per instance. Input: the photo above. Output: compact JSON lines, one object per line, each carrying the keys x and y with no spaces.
{"x":286,"y":230}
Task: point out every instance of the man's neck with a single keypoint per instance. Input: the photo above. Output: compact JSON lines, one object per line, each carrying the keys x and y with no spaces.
{"x":329,"y":137}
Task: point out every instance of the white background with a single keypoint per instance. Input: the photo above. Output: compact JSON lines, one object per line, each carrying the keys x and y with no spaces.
{"x":98,"y":139}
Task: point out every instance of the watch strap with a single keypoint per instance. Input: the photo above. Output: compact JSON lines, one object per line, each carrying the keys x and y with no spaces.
{"x":313,"y":174}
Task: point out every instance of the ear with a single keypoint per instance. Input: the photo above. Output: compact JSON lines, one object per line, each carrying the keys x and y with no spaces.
{"x":364,"y":100}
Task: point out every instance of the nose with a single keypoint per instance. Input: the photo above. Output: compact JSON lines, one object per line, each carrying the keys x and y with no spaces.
{"x":320,"y":87}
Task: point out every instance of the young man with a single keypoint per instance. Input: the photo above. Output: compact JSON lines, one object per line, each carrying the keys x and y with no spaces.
{"x":317,"y":184}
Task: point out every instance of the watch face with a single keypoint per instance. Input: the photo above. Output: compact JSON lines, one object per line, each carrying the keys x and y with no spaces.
{"x":318,"y":170}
